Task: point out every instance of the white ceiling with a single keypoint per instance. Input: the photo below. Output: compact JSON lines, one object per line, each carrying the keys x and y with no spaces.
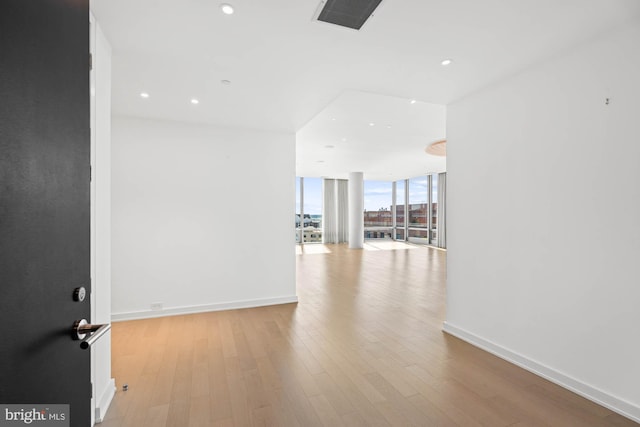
{"x":290,"y":73}
{"x":340,"y":139}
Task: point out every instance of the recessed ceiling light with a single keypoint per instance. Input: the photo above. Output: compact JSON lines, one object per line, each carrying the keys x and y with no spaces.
{"x":413,"y":101}
{"x":225,"y":82}
{"x":388,"y":126}
{"x":344,"y":139}
{"x":329,"y":146}
{"x":226,"y":8}
{"x":446,"y":62}
{"x":194,"y":101}
{"x":144,"y":95}
{"x":372,"y":124}
{"x":333,"y":119}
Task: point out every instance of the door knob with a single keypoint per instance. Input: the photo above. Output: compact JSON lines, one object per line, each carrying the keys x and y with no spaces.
{"x":82,"y":328}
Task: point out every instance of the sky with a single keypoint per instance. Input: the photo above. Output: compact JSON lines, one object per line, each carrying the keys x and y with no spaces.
{"x":377,"y":194}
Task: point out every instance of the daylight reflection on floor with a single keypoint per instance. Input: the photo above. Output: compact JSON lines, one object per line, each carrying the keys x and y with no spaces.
{"x":313,"y":248}
{"x":369,"y":245}
{"x":386,"y":245}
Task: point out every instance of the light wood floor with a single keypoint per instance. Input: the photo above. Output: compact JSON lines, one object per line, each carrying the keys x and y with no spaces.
{"x":362,"y":347}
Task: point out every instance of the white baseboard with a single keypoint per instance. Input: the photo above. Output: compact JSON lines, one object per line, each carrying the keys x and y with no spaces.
{"x":600,"y":397}
{"x":105,"y":400}
{"x":174,"y":311}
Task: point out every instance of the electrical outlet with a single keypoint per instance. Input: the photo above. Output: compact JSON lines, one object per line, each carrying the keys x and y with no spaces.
{"x":156,"y":306}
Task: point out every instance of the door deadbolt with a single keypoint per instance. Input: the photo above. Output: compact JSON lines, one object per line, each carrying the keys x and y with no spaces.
{"x":79,"y":294}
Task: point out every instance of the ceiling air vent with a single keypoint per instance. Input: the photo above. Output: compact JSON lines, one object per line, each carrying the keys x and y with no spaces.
{"x":347,"y":13}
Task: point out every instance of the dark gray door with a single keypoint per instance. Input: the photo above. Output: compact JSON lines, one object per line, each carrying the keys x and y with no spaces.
{"x":44,"y":202}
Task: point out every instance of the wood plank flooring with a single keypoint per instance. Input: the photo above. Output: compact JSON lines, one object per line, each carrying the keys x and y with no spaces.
{"x":363,"y":347}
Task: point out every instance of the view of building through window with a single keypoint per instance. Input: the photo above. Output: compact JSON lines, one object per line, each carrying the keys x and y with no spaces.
{"x":417,"y":197}
{"x":434,"y":209}
{"x":400,"y":200}
{"x":298,"y":229}
{"x":378,"y":214}
{"x":418,"y":210}
{"x":309,"y":219}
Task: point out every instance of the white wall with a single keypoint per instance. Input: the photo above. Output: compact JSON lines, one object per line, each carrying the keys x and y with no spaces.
{"x":202,"y":217}
{"x":544,"y":219}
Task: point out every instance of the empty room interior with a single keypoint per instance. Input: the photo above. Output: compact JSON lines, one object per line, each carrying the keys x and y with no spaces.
{"x":464,"y":178}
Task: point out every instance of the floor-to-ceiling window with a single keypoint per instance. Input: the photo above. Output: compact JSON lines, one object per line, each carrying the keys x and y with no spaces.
{"x":378,"y":215}
{"x":418,"y":207}
{"x":308,"y":210}
{"x":433,"y":187}
{"x":422,"y":207}
{"x":400,"y":210}
{"x":298,"y":211}
{"x":400,"y":199}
